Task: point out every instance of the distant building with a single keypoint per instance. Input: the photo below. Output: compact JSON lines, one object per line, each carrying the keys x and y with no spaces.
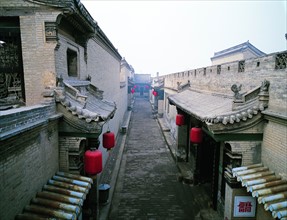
{"x":157,"y":94}
{"x":236,"y":53}
{"x":127,"y":81}
{"x":142,"y":84}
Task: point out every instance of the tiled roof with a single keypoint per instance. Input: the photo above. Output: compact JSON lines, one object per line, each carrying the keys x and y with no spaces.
{"x":74,"y":5}
{"x":238,"y":48}
{"x":201,"y":105}
{"x":61,"y":198}
{"x":76,"y":11}
{"x":159,"y":84}
{"x":269,"y":188}
{"x":213,"y":108}
{"x":82,"y":104}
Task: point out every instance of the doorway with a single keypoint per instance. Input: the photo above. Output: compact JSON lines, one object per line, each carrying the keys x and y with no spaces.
{"x":141,"y":91}
{"x":208,"y":153}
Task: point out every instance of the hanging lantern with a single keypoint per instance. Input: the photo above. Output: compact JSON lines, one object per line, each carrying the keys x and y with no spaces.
{"x":146,"y":86}
{"x":93,"y":162}
{"x":179,"y":120}
{"x":196,"y":135}
{"x":108,"y":140}
{"x":154,"y":93}
{"x":132,"y":90}
{"x":135,"y":86}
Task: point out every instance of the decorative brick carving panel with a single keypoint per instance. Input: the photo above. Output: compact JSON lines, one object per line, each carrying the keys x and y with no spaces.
{"x":50,"y":31}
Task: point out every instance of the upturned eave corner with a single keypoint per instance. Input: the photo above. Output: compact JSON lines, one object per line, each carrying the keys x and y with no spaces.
{"x":245,"y":106}
{"x":83,"y":107}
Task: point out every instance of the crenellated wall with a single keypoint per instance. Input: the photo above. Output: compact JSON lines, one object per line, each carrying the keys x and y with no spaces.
{"x":220,"y":78}
{"x":272,"y":150}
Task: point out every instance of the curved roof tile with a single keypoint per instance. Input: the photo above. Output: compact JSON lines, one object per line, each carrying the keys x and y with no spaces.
{"x":214,"y":108}
{"x":269,"y":189}
{"x":84,"y":100}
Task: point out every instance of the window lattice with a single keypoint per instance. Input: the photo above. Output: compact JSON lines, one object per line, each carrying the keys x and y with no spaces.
{"x":11,"y":66}
{"x":241,"y":66}
{"x":218,"y":69}
{"x":281,"y":61}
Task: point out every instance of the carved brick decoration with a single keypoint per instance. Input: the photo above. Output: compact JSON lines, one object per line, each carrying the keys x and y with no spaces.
{"x":11,"y":68}
{"x":236,"y":89}
{"x":50,"y":31}
{"x":241,"y":66}
{"x":218,"y":69}
{"x":281,"y":61}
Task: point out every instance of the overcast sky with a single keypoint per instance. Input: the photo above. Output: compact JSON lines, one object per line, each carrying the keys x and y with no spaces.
{"x":173,"y":36}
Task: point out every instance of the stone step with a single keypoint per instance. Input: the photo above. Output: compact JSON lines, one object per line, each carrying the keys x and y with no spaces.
{"x":208,"y":214}
{"x":185,"y":172}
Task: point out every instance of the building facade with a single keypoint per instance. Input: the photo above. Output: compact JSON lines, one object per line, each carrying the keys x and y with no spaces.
{"x":241,"y":113}
{"x":63,"y":84}
{"x":142,"y":84}
{"x":239,"y":52}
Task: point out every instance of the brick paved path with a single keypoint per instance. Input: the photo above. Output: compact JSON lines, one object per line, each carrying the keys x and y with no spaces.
{"x":147,"y":186}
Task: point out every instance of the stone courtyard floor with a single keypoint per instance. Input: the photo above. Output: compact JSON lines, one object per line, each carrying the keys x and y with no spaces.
{"x":147,"y":184}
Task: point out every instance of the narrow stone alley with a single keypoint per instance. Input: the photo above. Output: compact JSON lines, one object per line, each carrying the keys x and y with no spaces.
{"x":147,"y":185}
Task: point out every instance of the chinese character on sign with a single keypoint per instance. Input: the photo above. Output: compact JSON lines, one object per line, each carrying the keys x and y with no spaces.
{"x":244,"y":206}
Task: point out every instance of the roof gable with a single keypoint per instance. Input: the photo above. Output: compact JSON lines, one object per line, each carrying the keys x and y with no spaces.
{"x":238,"y":48}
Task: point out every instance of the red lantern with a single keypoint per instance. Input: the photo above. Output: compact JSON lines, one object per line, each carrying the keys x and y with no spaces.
{"x":93,"y":162}
{"x":154,"y":93}
{"x":132,"y":90}
{"x":179,"y":119}
{"x":108,"y":140}
{"x":196,"y":135}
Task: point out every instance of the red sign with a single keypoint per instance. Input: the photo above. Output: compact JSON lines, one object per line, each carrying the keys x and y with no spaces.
{"x":244,"y":206}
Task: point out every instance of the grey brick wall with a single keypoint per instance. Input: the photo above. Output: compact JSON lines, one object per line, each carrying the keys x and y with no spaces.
{"x":274,"y":149}
{"x":61,"y":58}
{"x":63,"y":154}
{"x":66,"y":144}
{"x":27,"y":161}
{"x":38,"y":56}
{"x":105,"y":70}
{"x":250,"y":78}
{"x":250,"y":150}
{"x":30,"y":158}
{"x":29,"y":135}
